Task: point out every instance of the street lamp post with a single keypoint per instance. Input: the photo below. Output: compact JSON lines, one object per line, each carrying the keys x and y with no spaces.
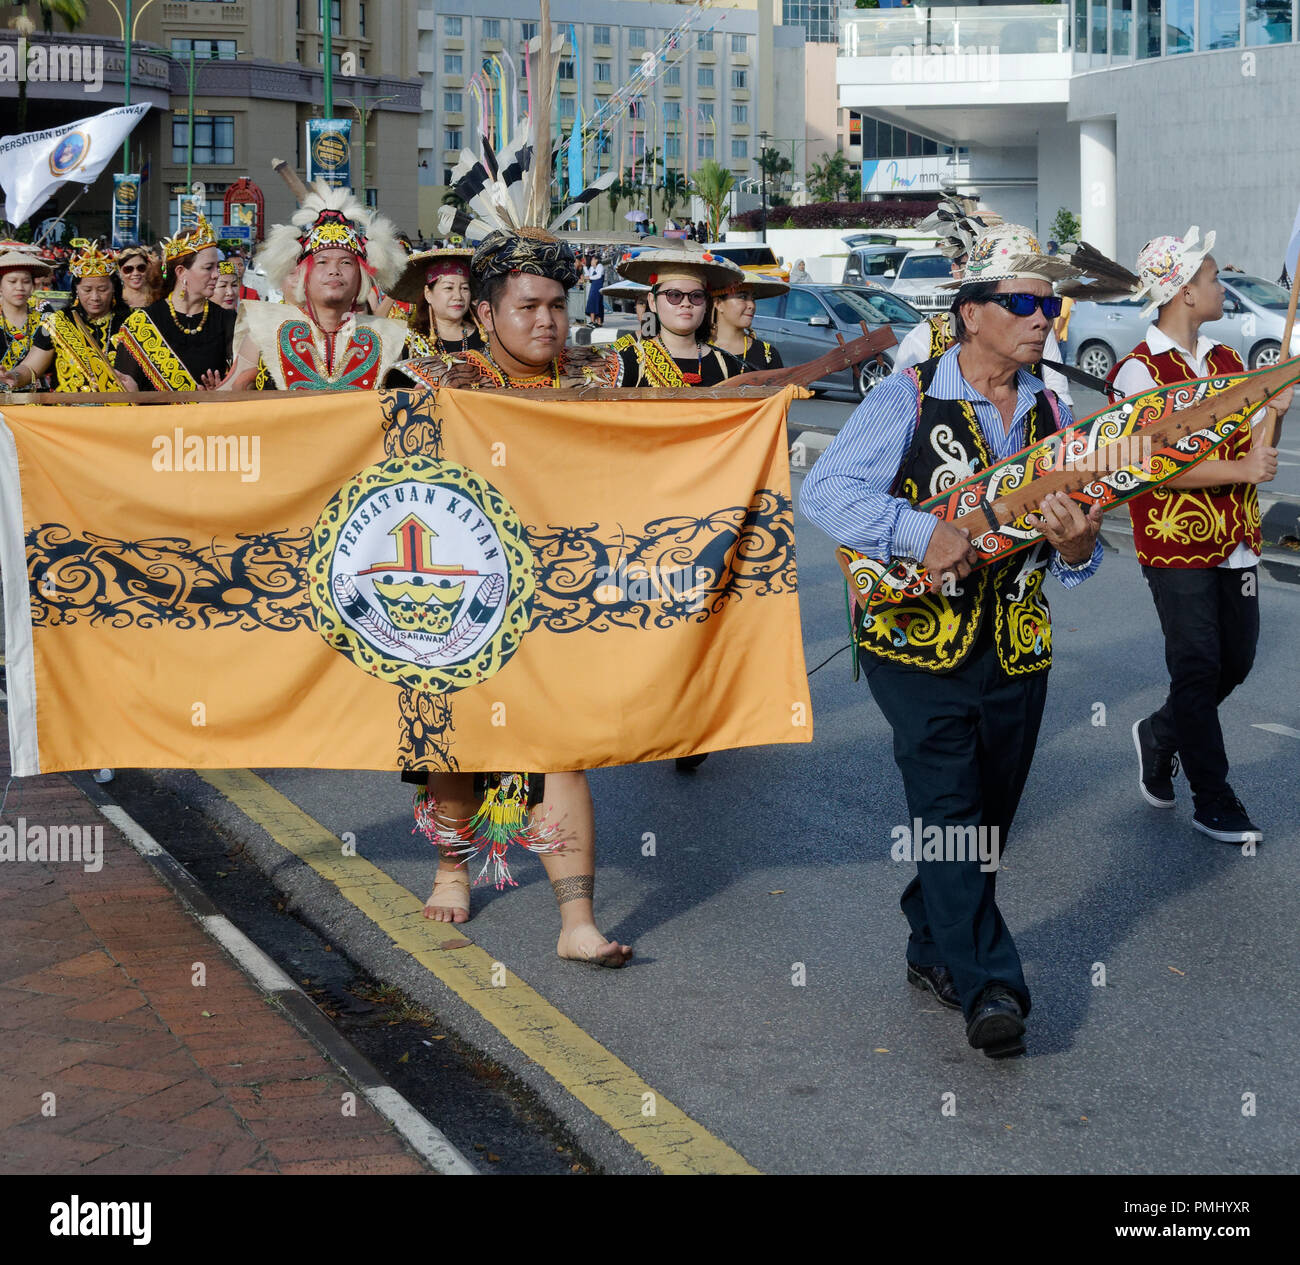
{"x":327,"y":33}
{"x":363,"y":112}
{"x":762,"y":166}
{"x":128,"y":22}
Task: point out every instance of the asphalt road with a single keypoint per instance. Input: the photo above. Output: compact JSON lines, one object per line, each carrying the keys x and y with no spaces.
{"x":773,"y":857}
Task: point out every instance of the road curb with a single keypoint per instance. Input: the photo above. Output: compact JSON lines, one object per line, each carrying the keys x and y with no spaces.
{"x":317,"y":902}
{"x":428,"y":1141}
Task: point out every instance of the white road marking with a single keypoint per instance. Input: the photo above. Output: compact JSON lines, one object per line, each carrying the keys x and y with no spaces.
{"x":1285,"y":730}
{"x":248,"y":955}
{"x":138,"y":837}
{"x":429,"y":1141}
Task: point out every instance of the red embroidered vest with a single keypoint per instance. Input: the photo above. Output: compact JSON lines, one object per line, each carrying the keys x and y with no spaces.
{"x":1194,"y":527}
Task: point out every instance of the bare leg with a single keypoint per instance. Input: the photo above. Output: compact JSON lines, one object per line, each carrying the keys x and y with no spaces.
{"x":572,"y":872}
{"x":449,"y":900}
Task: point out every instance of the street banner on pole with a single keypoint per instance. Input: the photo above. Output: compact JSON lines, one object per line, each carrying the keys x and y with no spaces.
{"x":463,"y":580}
{"x":34,"y":164}
{"x":126,"y":210}
{"x":329,"y":152}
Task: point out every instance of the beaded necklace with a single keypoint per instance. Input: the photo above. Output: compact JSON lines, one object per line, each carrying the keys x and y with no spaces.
{"x":550,"y":378}
{"x":185,"y":329}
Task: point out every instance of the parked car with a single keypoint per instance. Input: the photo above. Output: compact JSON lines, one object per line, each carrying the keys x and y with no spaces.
{"x":872,"y":264}
{"x":755,"y":257}
{"x":803,"y":325}
{"x":1254,"y":316}
{"x":919,"y":277}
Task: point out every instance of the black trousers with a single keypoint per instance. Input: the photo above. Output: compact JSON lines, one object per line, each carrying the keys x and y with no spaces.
{"x":963,"y":741}
{"x":1210,"y":619}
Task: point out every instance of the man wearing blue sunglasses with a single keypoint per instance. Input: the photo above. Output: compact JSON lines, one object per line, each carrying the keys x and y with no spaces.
{"x":961,"y":673}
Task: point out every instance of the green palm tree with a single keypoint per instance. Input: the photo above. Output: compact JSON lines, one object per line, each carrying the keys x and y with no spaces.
{"x":675,"y":190}
{"x":712,"y":183}
{"x":828,"y":179}
{"x":73,"y":13}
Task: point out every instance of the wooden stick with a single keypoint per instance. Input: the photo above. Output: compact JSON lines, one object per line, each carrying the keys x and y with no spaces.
{"x":290,"y":178}
{"x":1271,"y":426}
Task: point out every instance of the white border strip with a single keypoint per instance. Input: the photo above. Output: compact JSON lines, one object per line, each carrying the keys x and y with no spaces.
{"x":137,"y":836}
{"x":431,"y":1143}
{"x":20,"y":659}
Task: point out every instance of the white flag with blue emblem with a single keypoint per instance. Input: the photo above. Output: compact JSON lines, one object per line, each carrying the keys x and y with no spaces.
{"x":34,"y":164}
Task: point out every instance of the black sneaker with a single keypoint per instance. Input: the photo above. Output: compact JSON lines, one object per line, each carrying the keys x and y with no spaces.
{"x":1225,"y":819}
{"x":1156,"y":770}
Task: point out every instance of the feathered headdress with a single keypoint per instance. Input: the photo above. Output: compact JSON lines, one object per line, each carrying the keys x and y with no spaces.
{"x":508,"y":193}
{"x":1103,"y":278}
{"x":956,"y":225}
{"x":331,"y":219}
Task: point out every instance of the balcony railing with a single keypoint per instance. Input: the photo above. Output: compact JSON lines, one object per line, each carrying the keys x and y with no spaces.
{"x":1010,"y":29}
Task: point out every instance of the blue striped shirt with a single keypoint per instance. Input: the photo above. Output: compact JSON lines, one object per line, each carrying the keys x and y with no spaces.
{"x":847,"y":492}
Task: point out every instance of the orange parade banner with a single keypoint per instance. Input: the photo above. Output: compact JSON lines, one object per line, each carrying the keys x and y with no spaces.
{"x":451,"y":580}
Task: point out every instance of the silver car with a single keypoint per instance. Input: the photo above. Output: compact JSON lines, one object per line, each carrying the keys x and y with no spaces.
{"x":802,"y":325}
{"x":919,"y":277}
{"x":1254,"y":316}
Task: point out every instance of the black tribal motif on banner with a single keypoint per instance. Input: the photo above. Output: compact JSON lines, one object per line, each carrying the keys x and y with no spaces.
{"x":258,"y":580}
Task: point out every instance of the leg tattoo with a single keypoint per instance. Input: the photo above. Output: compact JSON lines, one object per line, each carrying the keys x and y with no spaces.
{"x":579,"y":887}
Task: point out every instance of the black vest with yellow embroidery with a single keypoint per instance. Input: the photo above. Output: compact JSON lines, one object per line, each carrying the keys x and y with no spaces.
{"x":936,"y":632}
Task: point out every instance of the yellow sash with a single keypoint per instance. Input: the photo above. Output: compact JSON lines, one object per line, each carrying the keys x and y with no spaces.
{"x":79,"y":363}
{"x":143,"y":342}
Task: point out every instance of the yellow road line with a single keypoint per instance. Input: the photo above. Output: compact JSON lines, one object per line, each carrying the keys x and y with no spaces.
{"x":668,"y":1139}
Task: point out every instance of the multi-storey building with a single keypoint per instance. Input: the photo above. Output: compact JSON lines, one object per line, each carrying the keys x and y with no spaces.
{"x":709,"y":103}
{"x":258,"y":77}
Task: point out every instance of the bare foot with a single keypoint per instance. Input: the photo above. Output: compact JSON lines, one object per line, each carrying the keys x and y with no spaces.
{"x":586,"y":944}
{"x":449,"y":900}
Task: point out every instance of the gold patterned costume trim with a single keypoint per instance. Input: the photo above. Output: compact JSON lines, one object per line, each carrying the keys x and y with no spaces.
{"x":143,"y":341}
{"x":79,"y":364}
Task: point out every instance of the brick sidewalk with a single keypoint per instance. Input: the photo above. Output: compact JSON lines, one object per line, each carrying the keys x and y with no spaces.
{"x":98,"y":1008}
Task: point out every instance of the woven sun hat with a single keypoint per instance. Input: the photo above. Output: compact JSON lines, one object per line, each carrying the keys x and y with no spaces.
{"x":1010,"y":252}
{"x":426,"y":267}
{"x":11,"y":258}
{"x":761,"y":287}
{"x":649,"y":266}
{"x":1166,"y":264}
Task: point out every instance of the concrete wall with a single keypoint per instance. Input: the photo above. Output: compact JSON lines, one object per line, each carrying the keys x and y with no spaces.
{"x":1058,"y":174}
{"x":1222,"y":154}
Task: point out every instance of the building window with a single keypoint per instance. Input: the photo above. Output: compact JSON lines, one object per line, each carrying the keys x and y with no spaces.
{"x":214,"y":206}
{"x":1220,"y":24}
{"x":602,"y":72}
{"x":446,"y":175}
{"x":453,"y":102}
{"x":740,"y":114}
{"x":491,"y":28}
{"x":527,"y":31}
{"x":673,"y":77}
{"x":603,"y":142}
{"x":636,"y":37}
{"x":451,"y":64}
{"x":1099,"y":26}
{"x":600,"y":35}
{"x":566,"y":107}
{"x":451,"y":138}
{"x":704,"y":76}
{"x":705,"y":112}
{"x":214,"y":139}
{"x":566,"y":68}
{"x":740,"y":79}
{"x":739,"y":44}
{"x":336,"y":16}
{"x":361,"y":18}
{"x":452,"y":27}
{"x":672,"y":111}
{"x":740,"y":148}
{"x":704,"y":42}
{"x":817,"y":17}
{"x":204,"y":49}
{"x":673,"y":146}
{"x":704,"y":147}
{"x":1268,"y":21}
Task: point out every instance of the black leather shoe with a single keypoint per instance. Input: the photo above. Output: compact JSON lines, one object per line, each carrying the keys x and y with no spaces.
{"x":997,"y":1024}
{"x":1156,"y":768}
{"x":938,"y":979}
{"x":689,"y":763}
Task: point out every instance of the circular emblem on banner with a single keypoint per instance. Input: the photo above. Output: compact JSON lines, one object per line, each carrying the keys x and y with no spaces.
{"x":126,"y":193}
{"x":330,"y":150}
{"x":69,"y":154}
{"x":421,"y":574}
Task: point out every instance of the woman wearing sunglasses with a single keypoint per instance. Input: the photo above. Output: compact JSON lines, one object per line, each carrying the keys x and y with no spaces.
{"x":141,"y":276}
{"x":960,"y":673}
{"x":674,"y":351}
{"x":733,"y":317}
